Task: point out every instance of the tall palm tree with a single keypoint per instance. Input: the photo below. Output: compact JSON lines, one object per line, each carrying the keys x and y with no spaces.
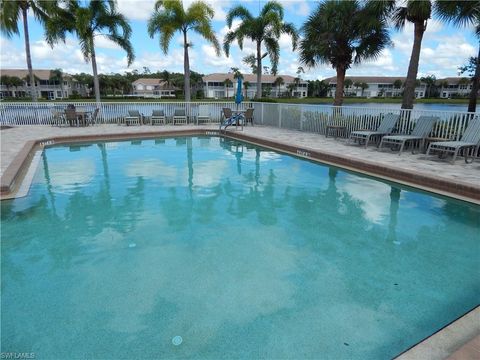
{"x":227,"y":82}
{"x":97,"y":18}
{"x":170,"y":17}
{"x":363,"y":86}
{"x":279,"y":81}
{"x":348,"y":84}
{"x":56,"y":75}
{"x":429,"y":81}
{"x":463,"y":13}
{"x":11,"y":11}
{"x":166,"y":76}
{"x":342,"y":33}
{"x":237,"y":74}
{"x":262,"y":30}
{"x":246,"y":85}
{"x":417,"y":12}
{"x":291,"y":88}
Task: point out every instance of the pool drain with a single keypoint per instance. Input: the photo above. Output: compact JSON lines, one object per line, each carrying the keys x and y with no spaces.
{"x":132,"y":245}
{"x":177,"y":340}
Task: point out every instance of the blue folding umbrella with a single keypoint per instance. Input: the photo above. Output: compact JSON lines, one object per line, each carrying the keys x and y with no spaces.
{"x":238,"y":95}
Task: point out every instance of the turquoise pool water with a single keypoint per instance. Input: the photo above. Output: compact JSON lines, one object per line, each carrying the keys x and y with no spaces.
{"x":122,"y":248}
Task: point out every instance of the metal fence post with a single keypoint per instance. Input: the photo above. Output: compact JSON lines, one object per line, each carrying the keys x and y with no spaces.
{"x":279,"y":116}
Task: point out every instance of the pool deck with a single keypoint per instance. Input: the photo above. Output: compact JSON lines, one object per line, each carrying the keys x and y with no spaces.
{"x":460,"y":179}
{"x":459,"y":340}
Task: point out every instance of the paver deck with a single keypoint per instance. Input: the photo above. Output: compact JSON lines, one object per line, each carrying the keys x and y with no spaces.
{"x":14,"y":139}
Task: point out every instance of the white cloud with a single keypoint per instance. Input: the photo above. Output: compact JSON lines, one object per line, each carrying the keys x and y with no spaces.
{"x":103,"y":42}
{"x":210,"y":58}
{"x":136,"y":10}
{"x":297,"y":7}
{"x":143,"y":9}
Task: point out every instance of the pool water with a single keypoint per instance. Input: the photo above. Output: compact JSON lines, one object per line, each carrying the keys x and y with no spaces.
{"x":210,"y":248}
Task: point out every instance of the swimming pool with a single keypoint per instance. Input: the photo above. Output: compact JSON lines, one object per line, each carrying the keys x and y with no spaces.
{"x":121,"y":248}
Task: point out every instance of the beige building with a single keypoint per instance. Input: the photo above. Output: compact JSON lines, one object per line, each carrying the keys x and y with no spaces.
{"x":454,"y":86}
{"x":214,"y":86}
{"x":45,"y":85}
{"x":153,"y":88}
{"x":378,"y":86}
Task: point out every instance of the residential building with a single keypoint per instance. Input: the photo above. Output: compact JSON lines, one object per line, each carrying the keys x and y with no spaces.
{"x":153,"y":88}
{"x":214,"y":86}
{"x":378,"y":86}
{"x":46,"y":86}
{"x":454,"y":86}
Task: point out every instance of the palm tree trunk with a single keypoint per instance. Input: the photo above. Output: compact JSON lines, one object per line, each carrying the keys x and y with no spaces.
{"x":409,"y":87}
{"x":258,"y":95}
{"x":96,"y":84}
{"x":472,"y":103}
{"x":339,"y":90}
{"x":186,"y":66}
{"x":27,"y":52}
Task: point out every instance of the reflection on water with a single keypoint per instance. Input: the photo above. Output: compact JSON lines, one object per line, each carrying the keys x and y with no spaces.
{"x":243,"y":252}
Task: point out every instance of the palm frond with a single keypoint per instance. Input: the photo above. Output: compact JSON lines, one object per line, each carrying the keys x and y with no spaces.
{"x":239,"y":12}
{"x":227,"y":41}
{"x":273,"y":49}
{"x":9,"y":16}
{"x":206,"y":30}
{"x":289,"y":28}
{"x":272,"y":7}
{"x":460,"y":13}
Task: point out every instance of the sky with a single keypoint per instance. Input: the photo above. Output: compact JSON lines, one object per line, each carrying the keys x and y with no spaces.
{"x":444,"y":47}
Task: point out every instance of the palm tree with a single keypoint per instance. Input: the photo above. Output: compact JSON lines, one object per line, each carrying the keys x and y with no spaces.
{"x":397,"y":84}
{"x":278,"y":83}
{"x":97,"y":18}
{"x":417,"y":12}
{"x":341,"y":33}
{"x":170,"y":17}
{"x":227,"y":82}
{"x":56,"y":75}
{"x":291,"y":87}
{"x":264,"y":29}
{"x":236,"y":73}
{"x":347,"y":84}
{"x":363,"y":86}
{"x":10,"y":14}
{"x":246,"y":84}
{"x":166,"y":77}
{"x":463,"y":13}
{"x":429,"y":81}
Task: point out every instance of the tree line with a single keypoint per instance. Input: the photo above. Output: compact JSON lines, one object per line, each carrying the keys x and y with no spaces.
{"x":338,"y":33}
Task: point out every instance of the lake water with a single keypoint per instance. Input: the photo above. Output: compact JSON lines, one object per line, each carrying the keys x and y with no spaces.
{"x":436,"y":107}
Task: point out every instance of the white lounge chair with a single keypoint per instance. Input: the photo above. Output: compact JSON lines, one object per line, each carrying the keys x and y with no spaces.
{"x":422,"y":129}
{"x":158,"y":116}
{"x":385,"y":128}
{"x":179,"y":116}
{"x":469,"y":143}
{"x":203,"y":114}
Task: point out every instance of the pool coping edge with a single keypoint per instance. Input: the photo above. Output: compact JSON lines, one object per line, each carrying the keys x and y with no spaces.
{"x":13,"y":174}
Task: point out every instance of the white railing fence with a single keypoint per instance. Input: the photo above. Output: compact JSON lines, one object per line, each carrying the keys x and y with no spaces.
{"x":302,"y":117}
{"x":314,"y":118}
{"x":110,"y":112}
